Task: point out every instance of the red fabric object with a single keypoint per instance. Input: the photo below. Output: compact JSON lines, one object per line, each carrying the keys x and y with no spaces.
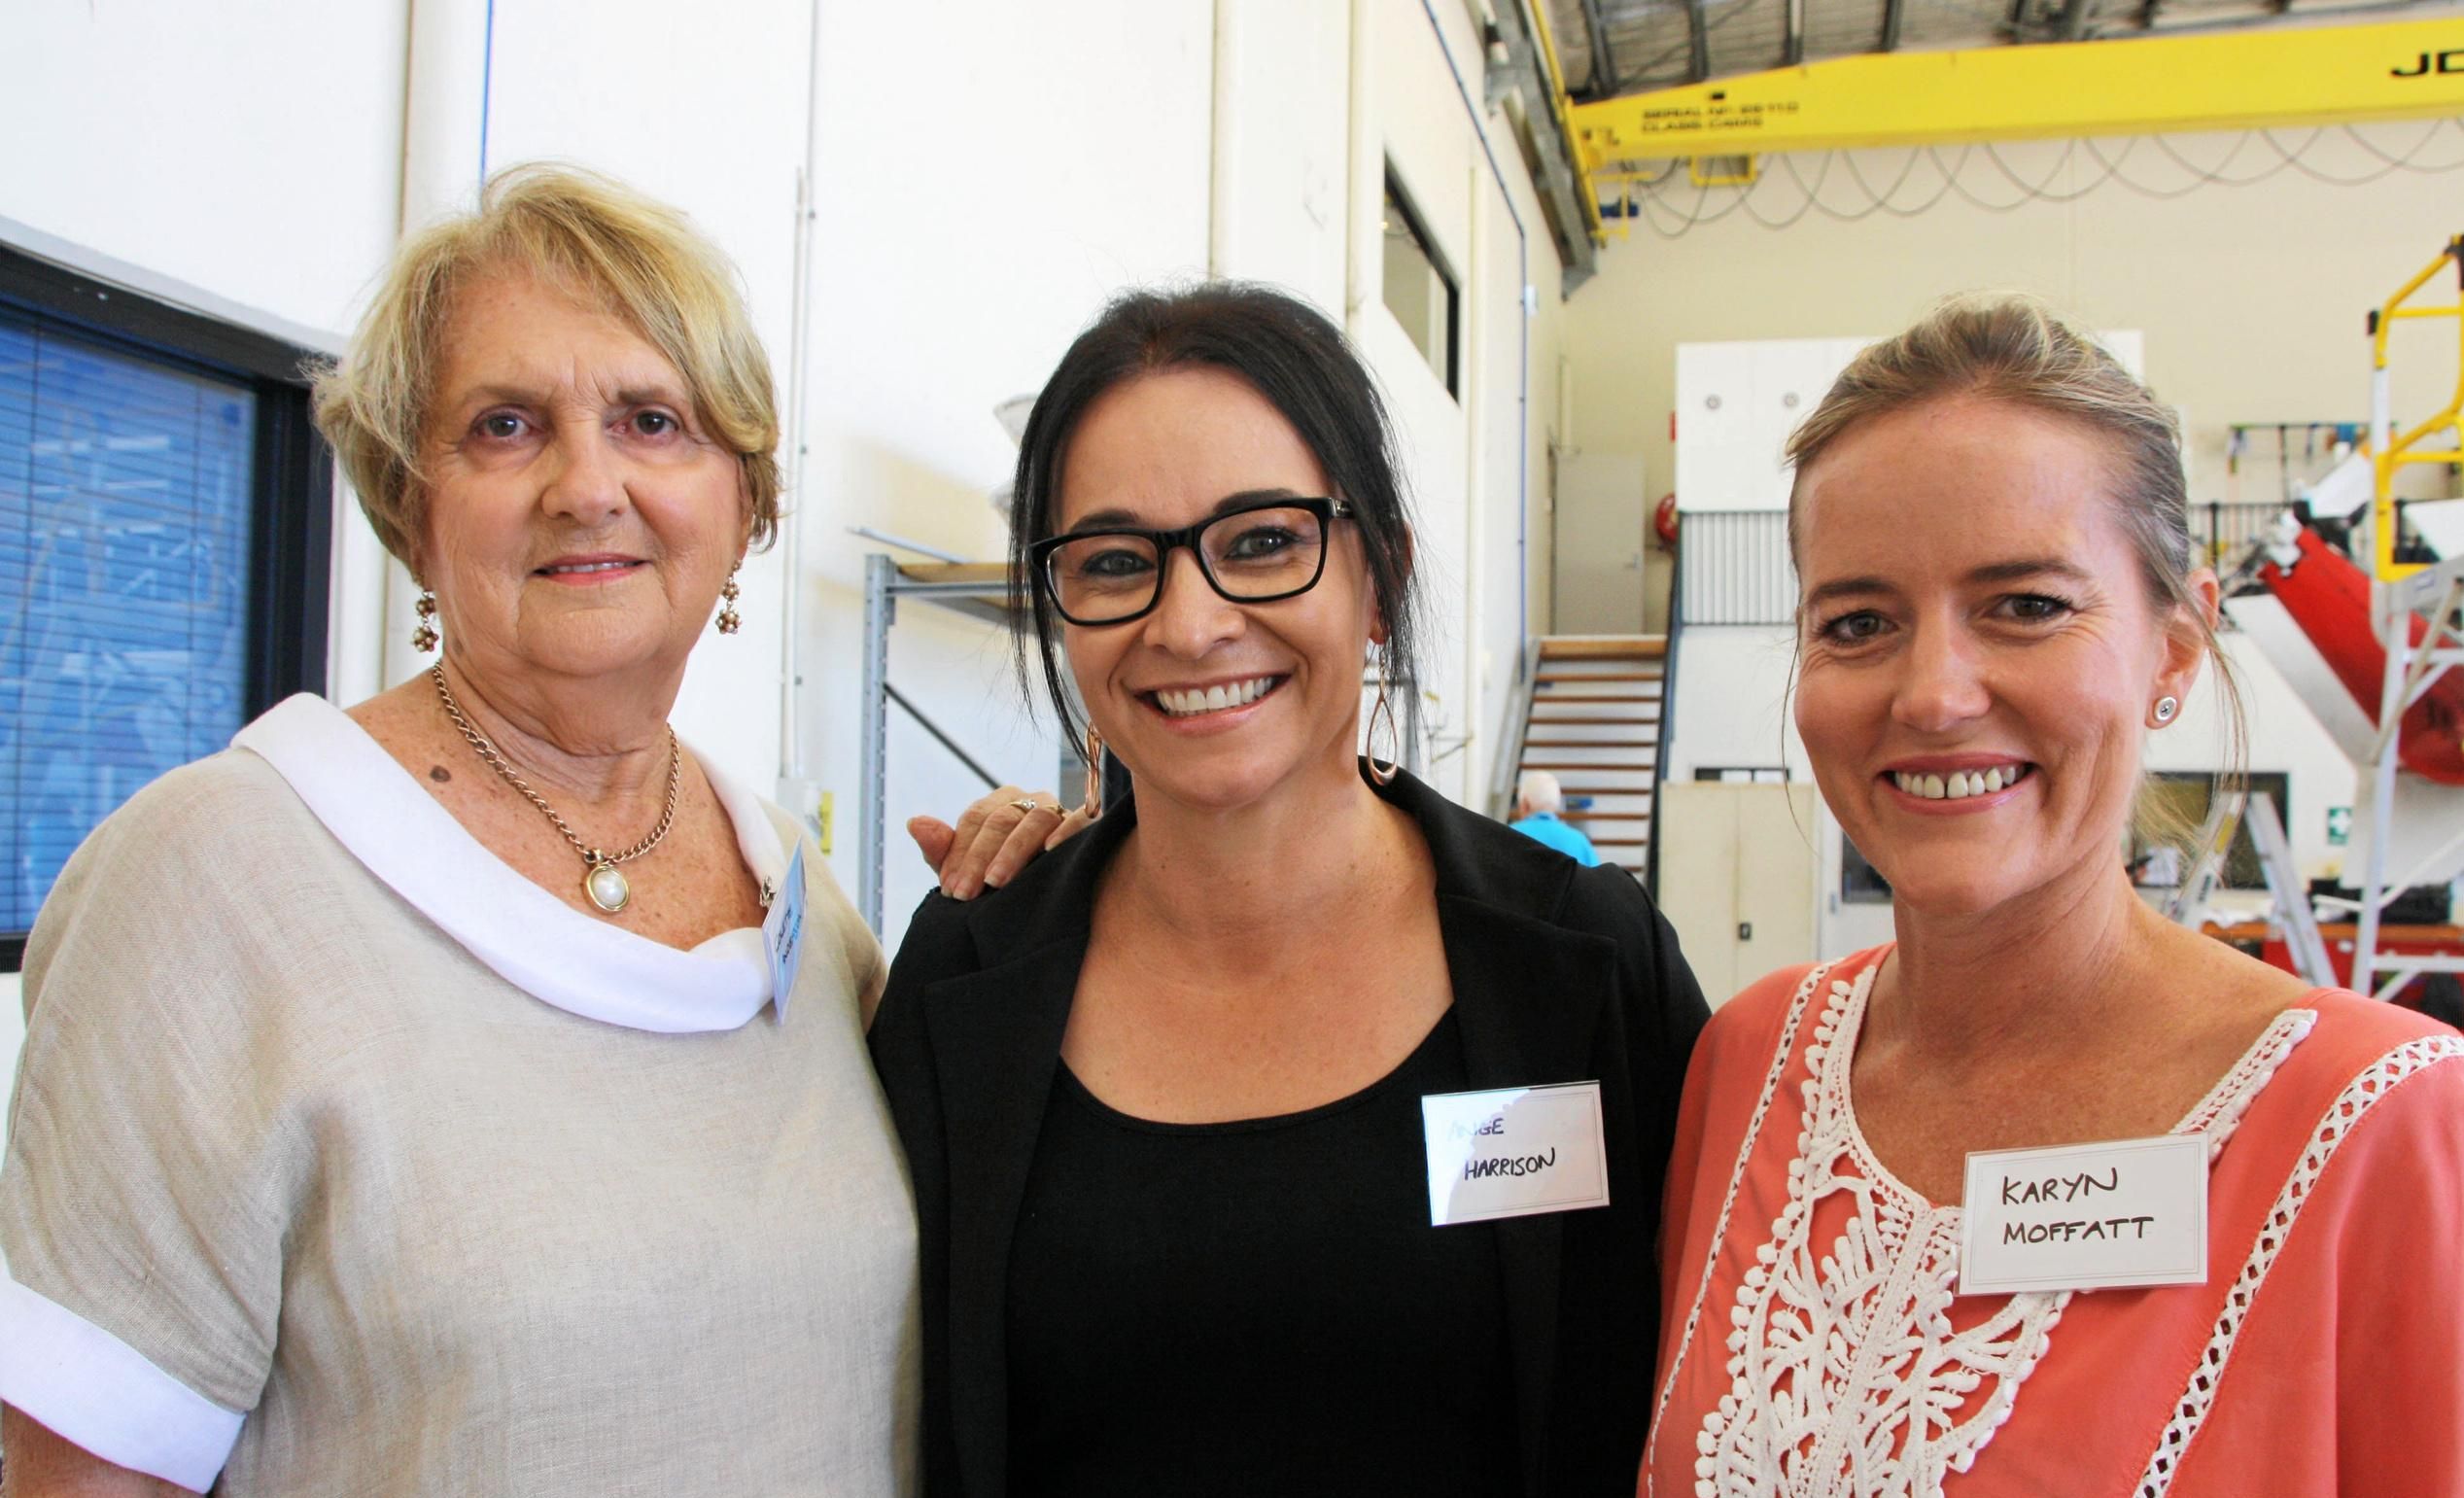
{"x":2329,"y":598}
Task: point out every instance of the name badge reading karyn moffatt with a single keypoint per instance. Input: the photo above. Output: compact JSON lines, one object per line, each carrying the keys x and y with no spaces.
{"x":2086,"y":1216}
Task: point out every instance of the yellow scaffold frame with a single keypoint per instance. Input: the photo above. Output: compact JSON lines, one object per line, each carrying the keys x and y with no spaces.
{"x":2389,"y":452}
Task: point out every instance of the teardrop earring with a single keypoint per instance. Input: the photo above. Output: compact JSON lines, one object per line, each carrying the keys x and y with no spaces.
{"x":1384,"y":773}
{"x":729,"y":620}
{"x":1092,"y":750}
{"x":424,"y":637}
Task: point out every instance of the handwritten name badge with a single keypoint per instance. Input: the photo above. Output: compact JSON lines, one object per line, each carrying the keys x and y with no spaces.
{"x":1514,"y":1152}
{"x":783,"y":932}
{"x":2086,"y":1216}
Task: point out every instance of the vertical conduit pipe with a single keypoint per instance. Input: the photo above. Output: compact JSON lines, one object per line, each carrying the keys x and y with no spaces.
{"x":796,"y":790}
{"x":446,"y":80}
{"x":1224,"y":121}
{"x":1523,"y":325}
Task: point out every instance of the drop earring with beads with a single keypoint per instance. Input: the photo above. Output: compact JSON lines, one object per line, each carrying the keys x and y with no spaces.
{"x":729,"y":620}
{"x":424,"y":637}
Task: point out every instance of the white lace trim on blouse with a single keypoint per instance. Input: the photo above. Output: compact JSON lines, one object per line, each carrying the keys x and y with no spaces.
{"x":531,"y":939}
{"x":1849,"y":1378}
{"x":2357,"y":1097}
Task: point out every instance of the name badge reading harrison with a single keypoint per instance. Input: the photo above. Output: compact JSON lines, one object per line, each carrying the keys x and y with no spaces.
{"x":1514,"y":1152}
{"x":2086,"y":1216}
{"x":783,"y":932}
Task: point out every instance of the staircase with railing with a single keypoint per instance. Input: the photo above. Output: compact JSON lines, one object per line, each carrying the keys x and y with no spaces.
{"x":1591,"y":717}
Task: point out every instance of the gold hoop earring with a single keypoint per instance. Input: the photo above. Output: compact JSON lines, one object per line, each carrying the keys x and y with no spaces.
{"x":729,"y":620}
{"x":1384,"y":774}
{"x":424,"y":637}
{"x":1091,"y":749}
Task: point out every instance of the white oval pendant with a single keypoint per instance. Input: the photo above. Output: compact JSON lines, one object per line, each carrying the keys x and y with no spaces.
{"x":607,"y":888}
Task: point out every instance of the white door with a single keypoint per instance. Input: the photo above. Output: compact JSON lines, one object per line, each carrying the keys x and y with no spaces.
{"x":1737,"y":872}
{"x":1776,"y":866}
{"x":1602,"y":514}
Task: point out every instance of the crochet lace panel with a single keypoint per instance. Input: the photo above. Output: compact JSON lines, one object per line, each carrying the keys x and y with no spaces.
{"x":1728,"y":1202}
{"x":1849,"y":1378}
{"x":2359,"y":1094}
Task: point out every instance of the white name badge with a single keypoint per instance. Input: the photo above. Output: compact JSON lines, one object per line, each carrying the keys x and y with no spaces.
{"x":782,"y":932}
{"x":1514,"y":1152}
{"x":2086,"y":1216}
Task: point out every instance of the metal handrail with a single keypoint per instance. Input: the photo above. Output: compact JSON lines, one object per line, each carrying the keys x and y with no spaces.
{"x":1518,"y":727}
{"x":1668,"y":716}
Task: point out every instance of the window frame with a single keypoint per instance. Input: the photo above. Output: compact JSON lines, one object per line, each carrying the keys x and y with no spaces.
{"x":290,"y":564}
{"x":1417,"y":223}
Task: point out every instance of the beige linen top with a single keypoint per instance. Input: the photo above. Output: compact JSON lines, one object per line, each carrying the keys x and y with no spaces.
{"x":345,"y":1160}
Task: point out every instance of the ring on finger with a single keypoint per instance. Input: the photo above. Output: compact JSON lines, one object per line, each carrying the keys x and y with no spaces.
{"x":1029,"y":804}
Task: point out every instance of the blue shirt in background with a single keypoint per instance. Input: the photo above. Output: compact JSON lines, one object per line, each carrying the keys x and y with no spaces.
{"x":1545,"y":827}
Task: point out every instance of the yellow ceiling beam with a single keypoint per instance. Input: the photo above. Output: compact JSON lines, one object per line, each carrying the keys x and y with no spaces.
{"x":2215,"y":81}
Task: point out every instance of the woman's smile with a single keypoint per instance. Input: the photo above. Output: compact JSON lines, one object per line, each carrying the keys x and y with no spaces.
{"x":1221,"y":702}
{"x":1937,"y":783}
{"x":584,"y":571}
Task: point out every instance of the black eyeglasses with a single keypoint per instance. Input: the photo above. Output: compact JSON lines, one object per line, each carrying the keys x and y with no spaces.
{"x":1256,"y":554}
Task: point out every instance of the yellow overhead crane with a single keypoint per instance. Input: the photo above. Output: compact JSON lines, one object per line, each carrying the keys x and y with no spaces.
{"x":2215,"y":81}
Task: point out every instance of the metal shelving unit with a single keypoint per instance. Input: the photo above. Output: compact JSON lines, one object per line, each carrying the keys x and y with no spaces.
{"x":979,"y":590}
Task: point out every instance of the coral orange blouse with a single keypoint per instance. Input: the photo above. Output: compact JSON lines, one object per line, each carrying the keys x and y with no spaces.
{"x":1812,"y":1344}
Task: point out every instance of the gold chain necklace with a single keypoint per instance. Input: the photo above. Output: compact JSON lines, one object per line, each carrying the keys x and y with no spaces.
{"x":603,"y":883}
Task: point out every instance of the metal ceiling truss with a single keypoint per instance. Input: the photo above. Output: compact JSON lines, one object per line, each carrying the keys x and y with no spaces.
{"x":1566,"y":199}
{"x":1604,"y":53}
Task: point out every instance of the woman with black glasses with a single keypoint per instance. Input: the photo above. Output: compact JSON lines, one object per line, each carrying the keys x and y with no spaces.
{"x":1293,"y":1129}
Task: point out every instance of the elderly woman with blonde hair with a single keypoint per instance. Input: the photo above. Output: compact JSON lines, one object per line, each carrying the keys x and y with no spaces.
{"x":466,"y":1092}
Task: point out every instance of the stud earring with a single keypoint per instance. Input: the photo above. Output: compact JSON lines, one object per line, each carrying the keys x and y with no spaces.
{"x":424,"y":637}
{"x":1383,"y":773}
{"x":2165,"y":708}
{"x":729,"y":620}
{"x":1092,"y":750}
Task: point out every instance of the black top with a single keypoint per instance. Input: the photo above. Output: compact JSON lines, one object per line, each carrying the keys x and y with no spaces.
{"x":1258,"y":1306}
{"x":1560,"y":974}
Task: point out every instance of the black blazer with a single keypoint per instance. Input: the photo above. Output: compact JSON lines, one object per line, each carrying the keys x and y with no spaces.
{"x":1560,"y":974}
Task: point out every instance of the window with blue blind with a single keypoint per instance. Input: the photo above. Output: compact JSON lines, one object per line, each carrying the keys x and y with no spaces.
{"x":161,"y":555}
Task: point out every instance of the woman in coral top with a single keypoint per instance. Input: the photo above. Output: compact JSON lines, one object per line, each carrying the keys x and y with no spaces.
{"x":1998,"y":601}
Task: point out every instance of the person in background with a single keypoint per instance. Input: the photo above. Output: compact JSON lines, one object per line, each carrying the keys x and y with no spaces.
{"x":2231,"y":1270}
{"x":1538,"y":802}
{"x":410,"y":1104}
{"x":1162,"y":1091}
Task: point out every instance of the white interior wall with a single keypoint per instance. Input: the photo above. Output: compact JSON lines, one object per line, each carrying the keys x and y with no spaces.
{"x":1473,"y":458}
{"x":1282,"y":175}
{"x":245,"y":154}
{"x":956,"y":254}
{"x":1405,"y":112}
{"x":2251,"y":298}
{"x":1740,"y":401}
{"x":1496,"y":349}
{"x":253,"y":167}
{"x":557,"y":67}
